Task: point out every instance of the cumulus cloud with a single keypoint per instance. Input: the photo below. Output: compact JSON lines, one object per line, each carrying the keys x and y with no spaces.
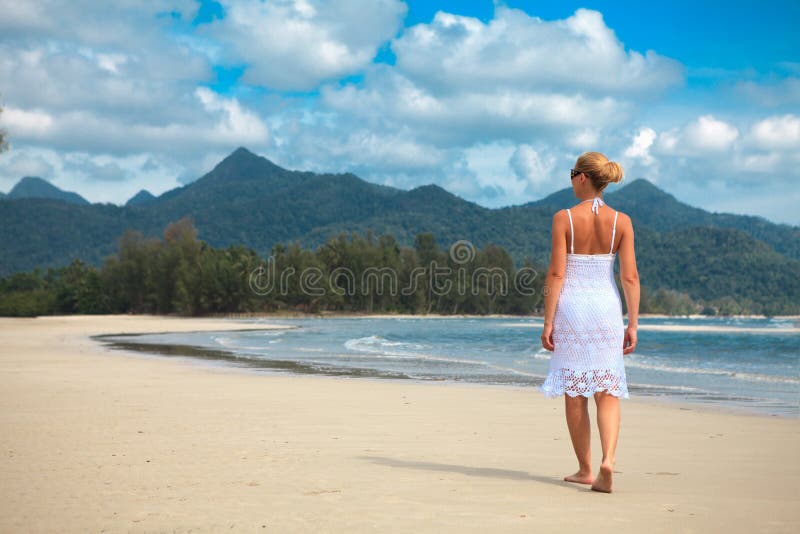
{"x":640,"y":147}
{"x":454,"y":53}
{"x":27,"y":122}
{"x":780,"y":133}
{"x":234,"y":123}
{"x":708,"y":133}
{"x":584,"y":139}
{"x":530,"y":166}
{"x":146,"y":85}
{"x":296,"y":44}
{"x":118,"y":24}
{"x":224,"y":124}
{"x":458,"y":81}
{"x":387,"y":97}
{"x":704,"y":136}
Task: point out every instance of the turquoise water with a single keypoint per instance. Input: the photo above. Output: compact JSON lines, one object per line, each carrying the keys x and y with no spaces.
{"x":749,"y":363}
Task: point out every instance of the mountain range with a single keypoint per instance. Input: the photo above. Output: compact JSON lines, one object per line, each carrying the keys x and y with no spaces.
{"x":247,"y":199}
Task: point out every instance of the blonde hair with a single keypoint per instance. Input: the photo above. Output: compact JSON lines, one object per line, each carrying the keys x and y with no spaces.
{"x":598,"y":169}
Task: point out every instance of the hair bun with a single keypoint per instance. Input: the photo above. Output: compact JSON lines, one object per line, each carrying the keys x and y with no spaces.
{"x":599,"y":169}
{"x":612,"y":172}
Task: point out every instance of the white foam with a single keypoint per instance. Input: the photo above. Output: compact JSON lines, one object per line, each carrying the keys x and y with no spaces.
{"x":376,"y":346}
{"x":629,"y":362}
{"x":542,"y":354}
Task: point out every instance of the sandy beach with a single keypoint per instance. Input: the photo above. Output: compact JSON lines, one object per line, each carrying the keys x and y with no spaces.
{"x":109,"y":441}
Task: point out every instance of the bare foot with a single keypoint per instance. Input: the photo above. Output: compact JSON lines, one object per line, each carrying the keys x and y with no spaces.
{"x":580,"y":477}
{"x":604,"y":479}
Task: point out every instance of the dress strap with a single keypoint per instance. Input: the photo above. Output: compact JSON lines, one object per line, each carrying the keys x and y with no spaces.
{"x":571,"y":234}
{"x":613,"y":232}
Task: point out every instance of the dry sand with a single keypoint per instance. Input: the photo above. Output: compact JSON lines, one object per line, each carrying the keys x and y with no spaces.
{"x":107,"y":441}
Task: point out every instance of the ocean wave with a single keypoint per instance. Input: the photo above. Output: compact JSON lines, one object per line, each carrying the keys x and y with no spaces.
{"x":379,"y":347}
{"x":755,"y":377}
{"x":234,"y":344}
{"x":223,"y":340}
{"x":543,"y":354}
{"x":515,"y":371}
{"x":389,"y":356}
{"x":663,"y":386}
{"x":375,"y":342}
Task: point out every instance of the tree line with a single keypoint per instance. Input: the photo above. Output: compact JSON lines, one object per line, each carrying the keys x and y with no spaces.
{"x":178,"y":274}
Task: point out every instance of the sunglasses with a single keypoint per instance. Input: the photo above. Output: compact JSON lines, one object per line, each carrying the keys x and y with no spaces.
{"x":573,"y":173}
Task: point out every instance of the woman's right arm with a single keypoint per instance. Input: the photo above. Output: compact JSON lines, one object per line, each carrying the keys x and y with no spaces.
{"x":629,"y":276}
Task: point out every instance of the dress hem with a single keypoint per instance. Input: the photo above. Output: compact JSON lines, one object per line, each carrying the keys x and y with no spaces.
{"x":552,"y":394}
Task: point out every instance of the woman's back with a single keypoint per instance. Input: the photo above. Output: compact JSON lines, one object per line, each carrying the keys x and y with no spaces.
{"x":593,"y":230}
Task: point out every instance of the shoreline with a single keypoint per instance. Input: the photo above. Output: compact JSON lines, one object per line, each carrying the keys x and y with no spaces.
{"x":97,"y":439}
{"x":229,"y":359}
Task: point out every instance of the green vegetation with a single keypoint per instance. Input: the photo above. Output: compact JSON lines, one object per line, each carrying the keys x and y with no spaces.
{"x":182,"y":275}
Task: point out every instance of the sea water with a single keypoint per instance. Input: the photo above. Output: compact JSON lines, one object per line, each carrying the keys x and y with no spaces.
{"x":734,"y":362}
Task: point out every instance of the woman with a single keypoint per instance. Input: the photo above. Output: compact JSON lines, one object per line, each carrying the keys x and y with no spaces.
{"x":583,"y":314}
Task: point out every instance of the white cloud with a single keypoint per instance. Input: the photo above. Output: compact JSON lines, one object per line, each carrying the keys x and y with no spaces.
{"x":777,"y":133}
{"x":295,"y":45}
{"x":585,"y":139}
{"x":224,"y":125}
{"x":389,"y":98}
{"x":117,"y":24}
{"x":235,"y":124}
{"x":514,"y":50}
{"x":26,"y":122}
{"x":640,"y":146}
{"x":459,"y":81}
{"x":708,"y":133}
{"x":702,"y":137}
{"x":530,"y":166}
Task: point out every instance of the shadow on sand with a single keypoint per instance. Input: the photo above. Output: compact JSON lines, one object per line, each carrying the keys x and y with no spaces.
{"x":487,"y":472}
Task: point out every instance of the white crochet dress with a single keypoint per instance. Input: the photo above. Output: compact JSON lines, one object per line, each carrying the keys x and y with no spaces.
{"x":588,"y":330}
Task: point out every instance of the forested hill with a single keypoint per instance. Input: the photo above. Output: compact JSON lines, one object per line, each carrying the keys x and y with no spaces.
{"x":247,"y":199}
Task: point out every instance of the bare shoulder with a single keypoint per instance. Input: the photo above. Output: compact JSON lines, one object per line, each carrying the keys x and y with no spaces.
{"x":623,"y":220}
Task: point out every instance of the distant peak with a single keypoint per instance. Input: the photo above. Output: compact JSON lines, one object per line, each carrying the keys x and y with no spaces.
{"x":644,"y":186}
{"x":33,"y":180}
{"x":241,"y":151}
{"x":242,"y":164}
{"x":35,"y":187}
{"x":142,"y":197}
{"x":242,"y":154}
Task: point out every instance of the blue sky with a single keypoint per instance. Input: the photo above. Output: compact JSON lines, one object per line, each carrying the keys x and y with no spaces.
{"x":491,"y":100}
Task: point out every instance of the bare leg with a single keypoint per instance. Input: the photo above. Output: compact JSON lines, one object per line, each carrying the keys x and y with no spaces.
{"x":577,"y":410}
{"x":608,"y":417}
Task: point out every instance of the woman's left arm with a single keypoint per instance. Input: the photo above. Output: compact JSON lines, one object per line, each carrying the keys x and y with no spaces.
{"x":555,"y":275}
